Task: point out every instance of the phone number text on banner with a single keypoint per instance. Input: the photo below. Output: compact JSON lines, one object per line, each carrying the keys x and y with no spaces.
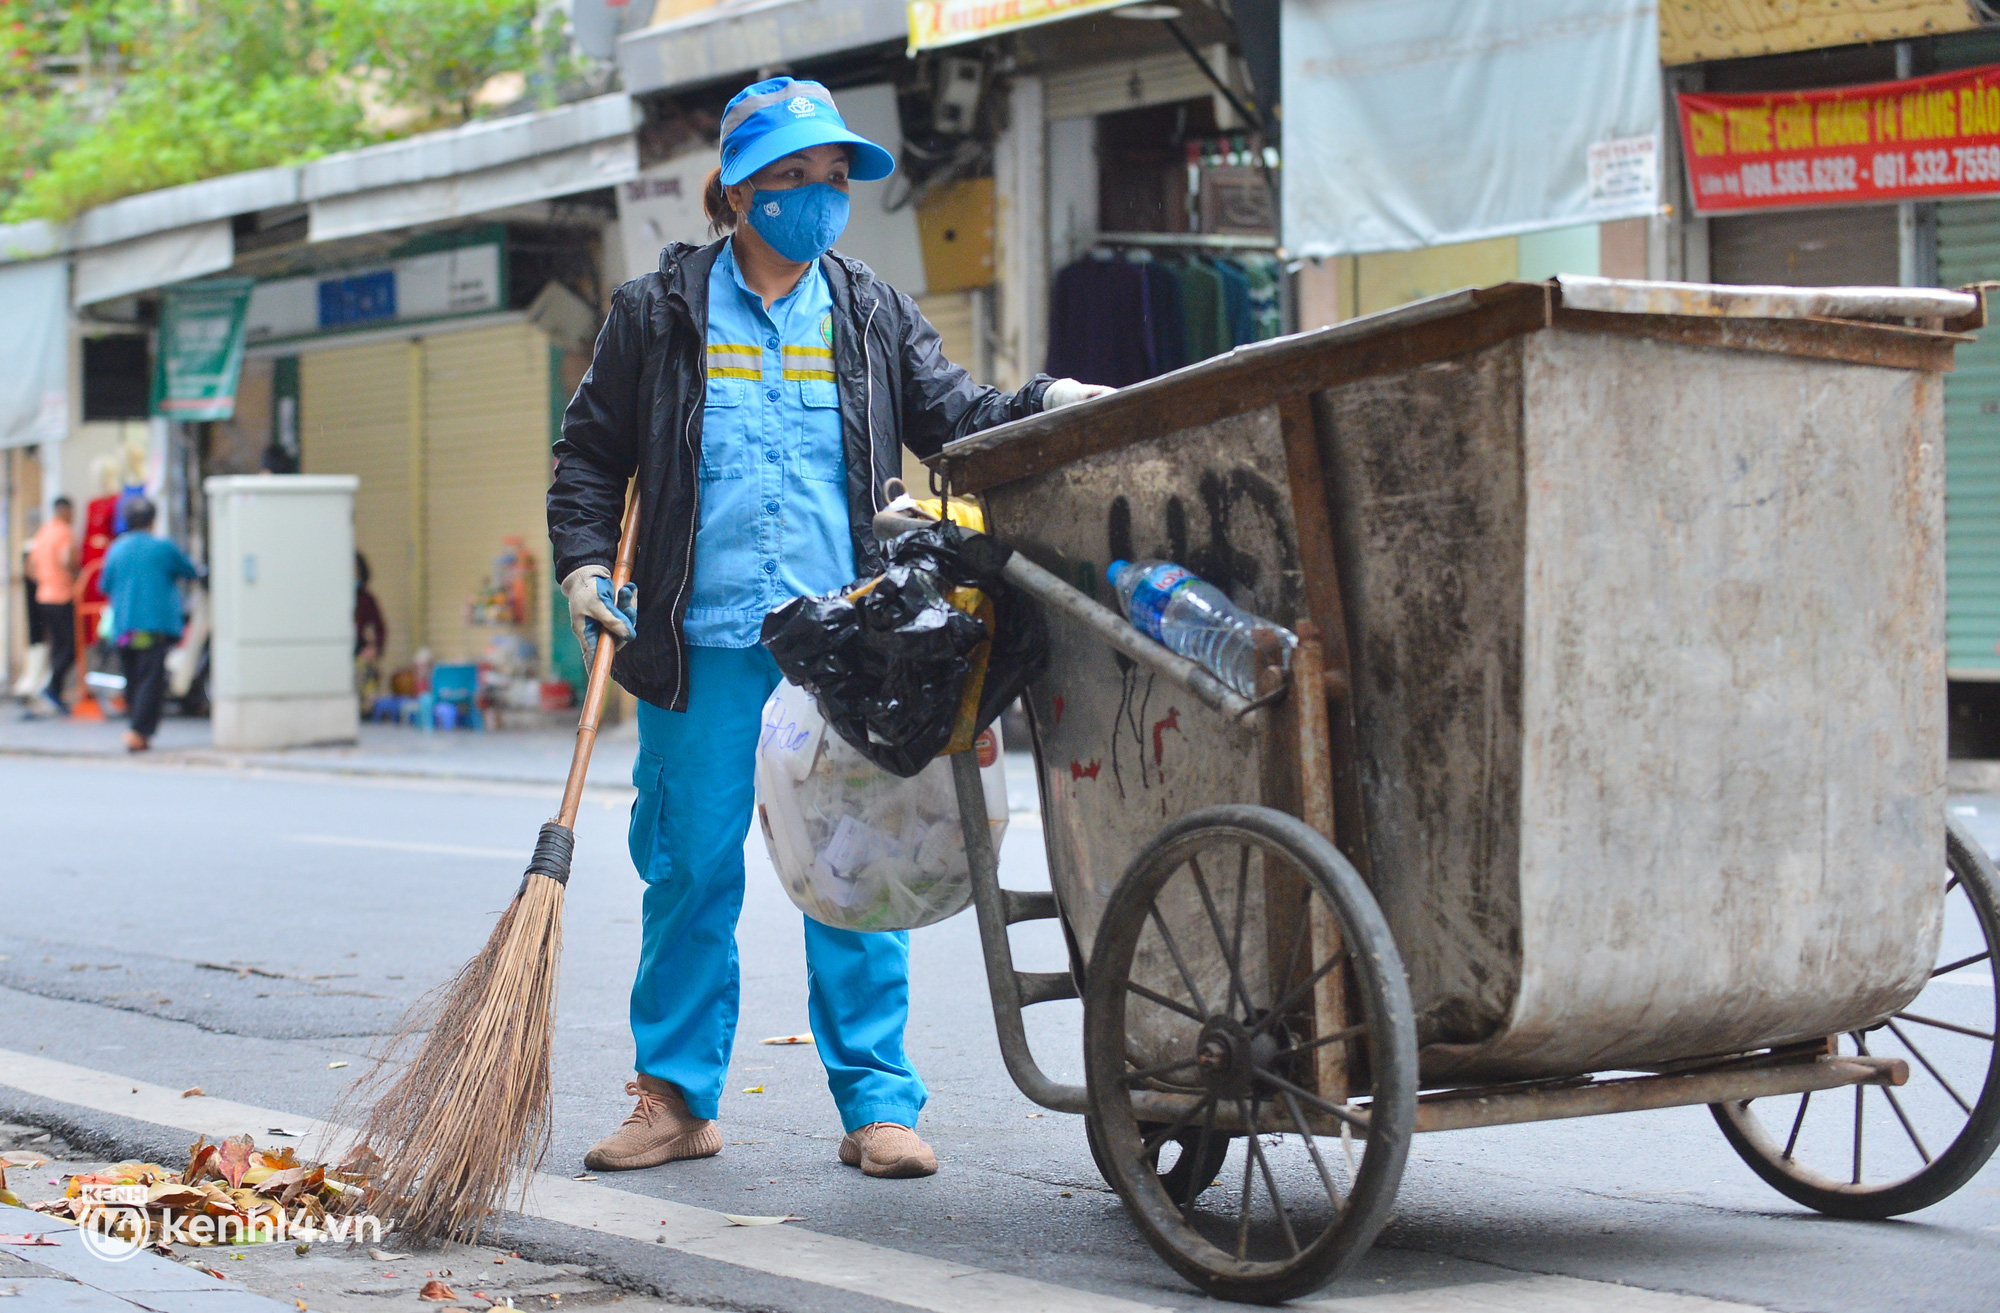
{"x":1886,"y":141}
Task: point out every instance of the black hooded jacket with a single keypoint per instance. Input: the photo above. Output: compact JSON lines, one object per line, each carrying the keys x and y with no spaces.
{"x":639,"y":411}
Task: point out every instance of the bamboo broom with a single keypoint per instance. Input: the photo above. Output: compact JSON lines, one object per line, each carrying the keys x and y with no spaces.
{"x":471,"y":1112}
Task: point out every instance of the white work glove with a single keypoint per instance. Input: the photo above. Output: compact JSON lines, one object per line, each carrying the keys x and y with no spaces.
{"x":588,"y":592}
{"x":1067,"y":392}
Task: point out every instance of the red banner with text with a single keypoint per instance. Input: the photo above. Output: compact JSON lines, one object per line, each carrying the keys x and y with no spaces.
{"x":1916,"y":139}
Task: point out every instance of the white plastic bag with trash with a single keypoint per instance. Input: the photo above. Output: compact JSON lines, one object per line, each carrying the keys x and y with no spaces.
{"x":856,"y":847}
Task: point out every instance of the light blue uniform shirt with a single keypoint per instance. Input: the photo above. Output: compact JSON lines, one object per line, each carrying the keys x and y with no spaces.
{"x":774,"y":521}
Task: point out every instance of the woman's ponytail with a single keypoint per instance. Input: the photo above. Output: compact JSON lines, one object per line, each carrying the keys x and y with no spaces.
{"x":721,"y":218}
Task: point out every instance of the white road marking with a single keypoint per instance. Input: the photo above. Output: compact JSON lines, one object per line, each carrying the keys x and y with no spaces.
{"x":408,"y":846}
{"x":937,"y":1285}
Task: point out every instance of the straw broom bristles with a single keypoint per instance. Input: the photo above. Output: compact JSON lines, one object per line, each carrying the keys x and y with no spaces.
{"x":472,"y":1110}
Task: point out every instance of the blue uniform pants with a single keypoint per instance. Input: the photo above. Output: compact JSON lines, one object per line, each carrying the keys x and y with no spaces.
{"x":695,"y":776}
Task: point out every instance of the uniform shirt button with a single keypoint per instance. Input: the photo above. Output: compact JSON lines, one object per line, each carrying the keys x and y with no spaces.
{"x":771,"y":342}
{"x":771,"y":395}
{"x":770,"y":508}
{"x":770,"y":567}
{"x":771,"y":455}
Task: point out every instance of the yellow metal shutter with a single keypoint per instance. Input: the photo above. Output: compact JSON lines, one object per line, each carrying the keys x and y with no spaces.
{"x":486,"y":458}
{"x":354,"y":418}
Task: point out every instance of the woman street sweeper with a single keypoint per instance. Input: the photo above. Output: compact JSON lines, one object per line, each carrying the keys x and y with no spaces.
{"x":761,"y":389}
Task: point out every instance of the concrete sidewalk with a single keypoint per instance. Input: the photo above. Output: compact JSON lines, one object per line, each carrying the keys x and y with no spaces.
{"x":497,"y":756}
{"x":508,"y":756}
{"x":53,"y":1270}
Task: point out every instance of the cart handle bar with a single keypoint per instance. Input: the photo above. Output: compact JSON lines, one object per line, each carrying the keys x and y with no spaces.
{"x":1101,"y":620}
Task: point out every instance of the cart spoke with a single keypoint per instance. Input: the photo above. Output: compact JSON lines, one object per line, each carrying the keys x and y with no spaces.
{"x":1187,"y":977}
{"x":1962,"y":962}
{"x":1859,"y":1090}
{"x":1243,"y":1205}
{"x":1354,"y":1119}
{"x":1151,"y":1147}
{"x":1897,"y":1107}
{"x":1950,"y":885}
{"x":1297,"y":992}
{"x":1338,"y":1036}
{"x":1312,"y":1147}
{"x":1174,"y":1005}
{"x":1200,"y":1157}
{"x":1133,"y":1079}
{"x":1946,"y":1025}
{"x":1936,"y":1075}
{"x":1221,"y":935}
{"x":1236,"y":944}
{"x":1792,"y":1142}
{"x":1255,"y":1149}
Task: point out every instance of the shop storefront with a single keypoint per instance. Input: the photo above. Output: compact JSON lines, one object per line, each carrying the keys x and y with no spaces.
{"x":1876,"y":164}
{"x":417,"y":374}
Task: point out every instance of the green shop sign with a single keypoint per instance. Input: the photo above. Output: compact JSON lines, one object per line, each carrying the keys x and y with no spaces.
{"x":201,"y":349}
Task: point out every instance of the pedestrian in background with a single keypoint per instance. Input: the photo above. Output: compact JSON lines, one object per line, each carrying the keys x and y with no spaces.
{"x":52,"y":563}
{"x":142,"y":573}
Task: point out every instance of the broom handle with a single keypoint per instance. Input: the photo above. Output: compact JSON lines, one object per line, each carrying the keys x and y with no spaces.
{"x":600,"y":673}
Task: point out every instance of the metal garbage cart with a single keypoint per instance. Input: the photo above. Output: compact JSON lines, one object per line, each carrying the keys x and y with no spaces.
{"x":1608,"y":773}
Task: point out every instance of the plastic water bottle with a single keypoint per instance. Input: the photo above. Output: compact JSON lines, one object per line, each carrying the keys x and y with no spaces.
{"x":1196,"y":619}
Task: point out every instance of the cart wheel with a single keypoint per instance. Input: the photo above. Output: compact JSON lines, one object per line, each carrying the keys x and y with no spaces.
{"x":1194,"y":1163}
{"x":1199,"y":1001}
{"x":1884,"y":1151}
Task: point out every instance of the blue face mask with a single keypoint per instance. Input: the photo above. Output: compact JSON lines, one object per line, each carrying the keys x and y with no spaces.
{"x":800,"y":224}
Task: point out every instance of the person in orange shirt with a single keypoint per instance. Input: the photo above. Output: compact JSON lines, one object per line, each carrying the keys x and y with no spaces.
{"x":52,"y":565}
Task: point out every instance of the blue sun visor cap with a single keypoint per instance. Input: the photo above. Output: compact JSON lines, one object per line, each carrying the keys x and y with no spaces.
{"x":769,"y":120}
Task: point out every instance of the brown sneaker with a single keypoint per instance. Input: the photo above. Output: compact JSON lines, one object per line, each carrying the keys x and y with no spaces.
{"x":886,"y":1149}
{"x":660,"y":1130}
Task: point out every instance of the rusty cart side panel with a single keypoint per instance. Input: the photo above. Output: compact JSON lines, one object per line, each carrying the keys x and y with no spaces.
{"x":1733,"y":703}
{"x":1122,"y":751}
{"x":1424,"y":469}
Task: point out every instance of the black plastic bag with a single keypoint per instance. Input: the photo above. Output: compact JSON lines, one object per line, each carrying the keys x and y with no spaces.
{"x":888,"y":659}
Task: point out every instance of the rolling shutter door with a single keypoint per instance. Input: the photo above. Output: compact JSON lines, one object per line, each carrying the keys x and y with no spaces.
{"x":1852,"y":246}
{"x":354,"y":418}
{"x":486,"y":453}
{"x":1106,"y":88}
{"x":1968,"y":251}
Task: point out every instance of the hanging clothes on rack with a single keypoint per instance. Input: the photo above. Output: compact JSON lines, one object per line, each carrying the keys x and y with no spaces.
{"x":1236,"y":301}
{"x":1204,"y":318}
{"x":1267,"y":312}
{"x":1097,"y":317}
{"x":1163,"y":313}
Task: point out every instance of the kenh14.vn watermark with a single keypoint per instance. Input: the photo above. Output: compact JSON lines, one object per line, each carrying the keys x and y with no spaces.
{"x":116,"y":1223}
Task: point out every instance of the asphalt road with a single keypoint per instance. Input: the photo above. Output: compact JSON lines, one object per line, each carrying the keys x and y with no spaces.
{"x":241,"y":930}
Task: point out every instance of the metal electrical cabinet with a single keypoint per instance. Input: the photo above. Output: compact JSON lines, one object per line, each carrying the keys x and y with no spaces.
{"x":281,"y":554}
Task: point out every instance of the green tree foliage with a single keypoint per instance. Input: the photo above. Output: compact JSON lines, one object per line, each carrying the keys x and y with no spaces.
{"x":107,"y":98}
{"x":435,"y":57}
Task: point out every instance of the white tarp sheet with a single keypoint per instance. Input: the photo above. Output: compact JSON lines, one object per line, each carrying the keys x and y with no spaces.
{"x":34,"y":353}
{"x":1414,"y":123}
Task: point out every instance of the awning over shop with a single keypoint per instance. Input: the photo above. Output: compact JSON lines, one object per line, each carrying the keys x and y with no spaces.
{"x":1413,"y":123}
{"x":34,"y":353}
{"x":155,"y":260}
{"x":474,"y":169}
{"x":735,"y":40}
{"x":936,"y":23}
